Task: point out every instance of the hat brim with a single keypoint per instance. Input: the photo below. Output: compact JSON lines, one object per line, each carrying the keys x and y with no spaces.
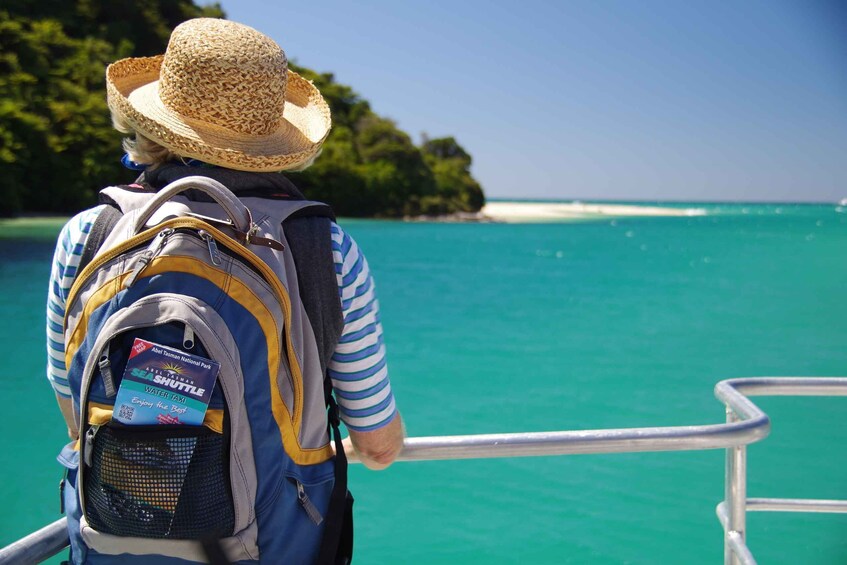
{"x":132,"y":91}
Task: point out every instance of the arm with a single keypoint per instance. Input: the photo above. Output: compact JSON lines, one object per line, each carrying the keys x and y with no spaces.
{"x":67,"y":408}
{"x":379,"y":448}
{"x":65,"y":261}
{"x":358,"y":367}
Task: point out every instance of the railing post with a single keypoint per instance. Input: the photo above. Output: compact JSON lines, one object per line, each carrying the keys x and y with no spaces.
{"x":735,"y":493}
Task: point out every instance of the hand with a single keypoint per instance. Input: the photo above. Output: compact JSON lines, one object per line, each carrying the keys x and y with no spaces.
{"x":379,"y":448}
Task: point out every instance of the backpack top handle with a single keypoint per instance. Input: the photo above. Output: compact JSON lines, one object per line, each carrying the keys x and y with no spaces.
{"x":235,"y":210}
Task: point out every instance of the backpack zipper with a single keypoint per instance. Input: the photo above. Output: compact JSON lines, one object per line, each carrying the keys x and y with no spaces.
{"x":128,"y":245}
{"x":214,"y":254}
{"x":105,"y":365}
{"x":155,"y":247}
{"x":88,"y":446}
{"x":62,"y":484}
{"x":310,"y":508}
{"x":188,"y":337}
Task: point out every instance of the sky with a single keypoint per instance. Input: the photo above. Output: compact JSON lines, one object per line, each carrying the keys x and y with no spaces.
{"x":598,"y":100}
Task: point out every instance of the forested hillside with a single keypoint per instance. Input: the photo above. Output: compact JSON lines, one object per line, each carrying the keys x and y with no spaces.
{"x":58,"y":148}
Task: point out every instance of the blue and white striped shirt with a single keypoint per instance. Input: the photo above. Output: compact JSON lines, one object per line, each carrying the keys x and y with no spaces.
{"x":357,"y":367}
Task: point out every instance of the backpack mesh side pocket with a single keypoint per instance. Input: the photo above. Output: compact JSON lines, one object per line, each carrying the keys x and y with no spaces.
{"x":159,"y":482}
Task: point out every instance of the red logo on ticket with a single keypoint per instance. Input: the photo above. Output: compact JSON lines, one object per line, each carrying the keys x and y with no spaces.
{"x":140,"y":346}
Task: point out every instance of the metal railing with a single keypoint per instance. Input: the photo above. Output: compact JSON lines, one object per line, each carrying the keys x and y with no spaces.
{"x":745,"y":424}
{"x":732,"y":512}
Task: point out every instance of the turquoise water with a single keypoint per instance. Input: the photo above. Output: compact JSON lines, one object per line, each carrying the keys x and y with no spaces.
{"x":500,"y":328}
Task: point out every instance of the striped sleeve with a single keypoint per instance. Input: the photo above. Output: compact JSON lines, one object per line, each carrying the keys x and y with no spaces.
{"x":65,"y":262}
{"x":357,"y":367}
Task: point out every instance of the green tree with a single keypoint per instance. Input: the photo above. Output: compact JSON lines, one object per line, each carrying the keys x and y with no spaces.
{"x":369,"y":167}
{"x":392,"y":166}
{"x":57,"y":145}
{"x":346,"y":105}
{"x":54,"y":128}
{"x":450,"y":163}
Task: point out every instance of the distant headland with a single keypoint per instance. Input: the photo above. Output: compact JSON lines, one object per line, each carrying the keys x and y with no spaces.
{"x":58,"y":147}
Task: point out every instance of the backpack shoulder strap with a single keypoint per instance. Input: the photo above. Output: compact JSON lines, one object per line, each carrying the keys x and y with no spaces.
{"x":309,"y":236}
{"x":313,"y":210}
{"x":102,"y":227}
{"x":106,"y":220}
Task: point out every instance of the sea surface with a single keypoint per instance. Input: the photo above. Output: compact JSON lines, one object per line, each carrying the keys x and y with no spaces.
{"x":610,"y":323}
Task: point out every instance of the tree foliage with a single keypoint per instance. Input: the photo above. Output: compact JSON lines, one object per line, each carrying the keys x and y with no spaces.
{"x":57,"y":145}
{"x":450,"y":164}
{"x":369,"y":167}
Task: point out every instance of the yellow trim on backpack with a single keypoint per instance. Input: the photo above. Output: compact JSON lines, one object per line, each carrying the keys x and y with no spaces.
{"x":214,"y":420}
{"x":289,"y":427}
{"x":128,"y":244}
{"x":99,"y":414}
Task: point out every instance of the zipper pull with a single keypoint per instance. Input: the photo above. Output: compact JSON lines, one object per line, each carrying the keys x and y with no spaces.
{"x":144,"y":259}
{"x":88,"y":448}
{"x":188,"y":337}
{"x":312,"y":511}
{"x":62,"y":493}
{"x":214,"y":254}
{"x":106,"y":372}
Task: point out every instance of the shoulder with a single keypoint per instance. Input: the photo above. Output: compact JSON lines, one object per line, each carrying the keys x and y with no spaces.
{"x":79,"y":226}
{"x":74,"y":233}
{"x":342,"y":242}
{"x":350,"y":261}
{"x":337,"y":233}
{"x":69,"y":248}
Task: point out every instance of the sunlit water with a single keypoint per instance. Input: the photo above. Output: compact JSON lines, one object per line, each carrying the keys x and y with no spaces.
{"x":505,"y":328}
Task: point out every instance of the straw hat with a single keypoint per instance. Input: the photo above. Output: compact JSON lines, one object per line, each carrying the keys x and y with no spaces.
{"x":221,"y":93}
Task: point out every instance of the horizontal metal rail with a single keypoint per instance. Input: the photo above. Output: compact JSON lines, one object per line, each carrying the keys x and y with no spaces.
{"x":792,"y":505}
{"x":38,"y":546}
{"x":736,"y":541}
{"x":753,"y":425}
{"x":797,"y":505}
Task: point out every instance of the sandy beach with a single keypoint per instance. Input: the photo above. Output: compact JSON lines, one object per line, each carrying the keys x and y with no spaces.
{"x":528,"y":212}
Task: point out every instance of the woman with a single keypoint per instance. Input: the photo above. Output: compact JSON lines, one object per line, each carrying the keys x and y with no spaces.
{"x":221,"y":103}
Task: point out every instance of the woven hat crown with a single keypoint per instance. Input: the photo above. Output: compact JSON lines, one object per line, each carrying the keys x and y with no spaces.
{"x":222,"y":93}
{"x":225,"y":74}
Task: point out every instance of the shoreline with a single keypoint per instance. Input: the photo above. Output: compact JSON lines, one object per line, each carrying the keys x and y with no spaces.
{"x":554,"y":212}
{"x":529,"y":212}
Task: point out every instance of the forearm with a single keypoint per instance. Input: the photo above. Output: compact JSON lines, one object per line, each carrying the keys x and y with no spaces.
{"x":67,"y":408}
{"x":377,"y":449}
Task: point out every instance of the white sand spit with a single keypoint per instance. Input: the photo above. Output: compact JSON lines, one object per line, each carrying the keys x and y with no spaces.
{"x":525,"y":212}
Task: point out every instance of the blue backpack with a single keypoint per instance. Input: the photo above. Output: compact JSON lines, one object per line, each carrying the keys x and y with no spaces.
{"x":258,"y":481}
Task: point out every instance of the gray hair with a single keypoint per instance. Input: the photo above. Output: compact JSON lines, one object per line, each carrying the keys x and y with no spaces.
{"x":145,"y":151}
{"x":140,"y":149}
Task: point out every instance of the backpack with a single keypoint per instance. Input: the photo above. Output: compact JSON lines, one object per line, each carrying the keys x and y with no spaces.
{"x":257,"y":482}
